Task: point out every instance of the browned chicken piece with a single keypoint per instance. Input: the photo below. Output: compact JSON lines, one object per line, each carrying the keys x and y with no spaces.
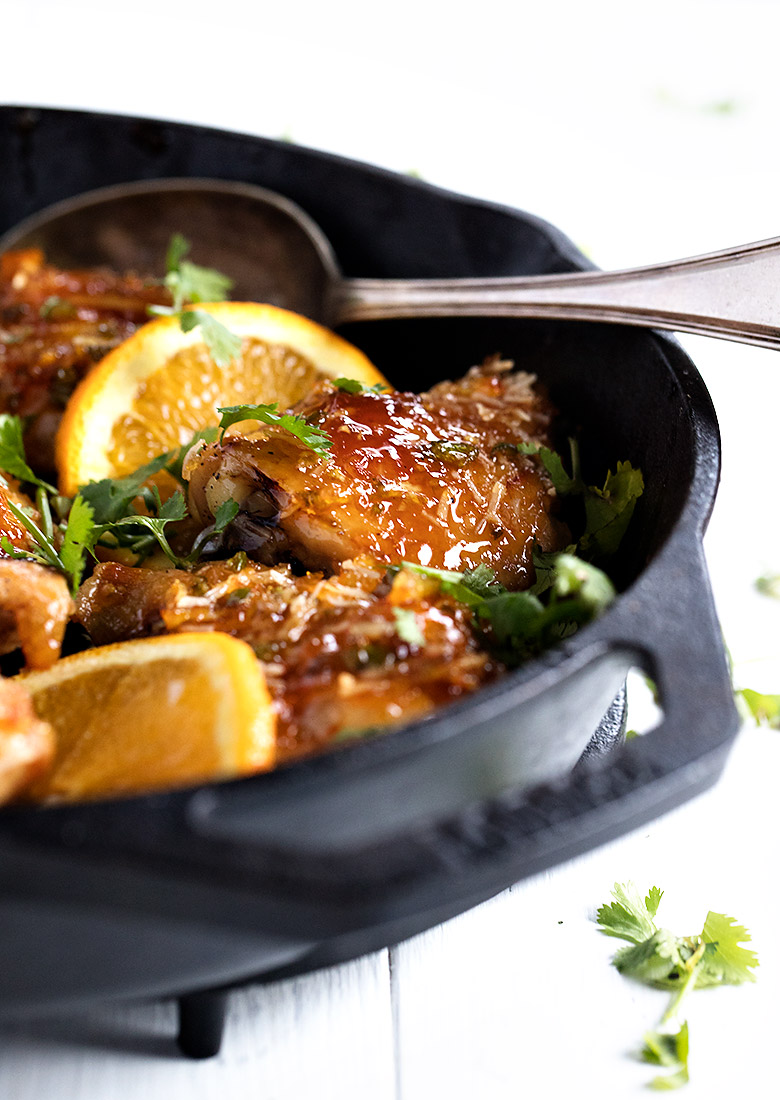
{"x":355,"y":651}
{"x":26,"y":743}
{"x":35,"y":603}
{"x":433,"y":479}
{"x":54,"y":326}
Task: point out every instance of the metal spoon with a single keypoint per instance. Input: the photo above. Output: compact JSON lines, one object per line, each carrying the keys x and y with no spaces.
{"x":277,"y":254}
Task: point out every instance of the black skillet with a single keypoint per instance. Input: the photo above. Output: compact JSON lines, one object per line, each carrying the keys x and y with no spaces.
{"x":328,"y":859}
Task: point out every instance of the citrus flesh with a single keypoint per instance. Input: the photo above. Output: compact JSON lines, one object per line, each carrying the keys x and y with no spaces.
{"x":160,"y":386}
{"x":153,"y":713}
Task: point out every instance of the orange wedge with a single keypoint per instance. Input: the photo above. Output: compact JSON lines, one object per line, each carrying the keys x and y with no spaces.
{"x":153,"y":713}
{"x":156,"y":389}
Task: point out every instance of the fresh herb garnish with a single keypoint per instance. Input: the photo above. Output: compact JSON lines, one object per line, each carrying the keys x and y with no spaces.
{"x":190,"y":283}
{"x":763,"y":709}
{"x":56,"y":309}
{"x":223,"y":344}
{"x":312,"y":437}
{"x":407,"y":627}
{"x":608,"y":509}
{"x":769,"y":585}
{"x":657,"y":957}
{"x":12,"y":456}
{"x":351,"y":385}
{"x":521,"y":624}
{"x":454,"y":454}
{"x":139,"y":532}
{"x":61,"y":547}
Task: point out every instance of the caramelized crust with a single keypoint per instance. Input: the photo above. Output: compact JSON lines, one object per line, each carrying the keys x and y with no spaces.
{"x":54,"y":326}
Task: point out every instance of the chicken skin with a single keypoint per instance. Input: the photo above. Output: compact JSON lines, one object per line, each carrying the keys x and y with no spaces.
{"x":360,"y":650}
{"x":434,"y":479}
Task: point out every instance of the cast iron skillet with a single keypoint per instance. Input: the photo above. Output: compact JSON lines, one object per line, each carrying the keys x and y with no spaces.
{"x":362,"y":847}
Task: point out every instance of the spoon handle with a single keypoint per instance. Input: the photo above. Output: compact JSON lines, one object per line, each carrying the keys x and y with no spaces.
{"x":733,"y":294}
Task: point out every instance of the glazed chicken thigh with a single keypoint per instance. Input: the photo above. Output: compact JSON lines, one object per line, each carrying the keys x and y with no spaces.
{"x":434,"y":479}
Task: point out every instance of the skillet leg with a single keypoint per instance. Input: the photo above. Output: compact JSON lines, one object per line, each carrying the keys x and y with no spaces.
{"x":201,"y":1023}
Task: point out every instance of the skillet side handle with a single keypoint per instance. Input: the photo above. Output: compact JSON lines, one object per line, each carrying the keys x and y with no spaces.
{"x":669,"y":622}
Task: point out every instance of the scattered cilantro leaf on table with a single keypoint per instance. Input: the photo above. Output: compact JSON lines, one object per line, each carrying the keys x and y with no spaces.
{"x":769,"y":585}
{"x":763,"y":709}
{"x":668,"y":1049}
{"x":663,"y":960}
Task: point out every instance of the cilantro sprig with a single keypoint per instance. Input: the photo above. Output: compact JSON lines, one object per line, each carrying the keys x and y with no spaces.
{"x":764,"y":709}
{"x":12,"y":456}
{"x":520,"y":625}
{"x":659,"y":958}
{"x":607,"y":509}
{"x":312,"y":437}
{"x":189,"y":284}
{"x":60,"y":546}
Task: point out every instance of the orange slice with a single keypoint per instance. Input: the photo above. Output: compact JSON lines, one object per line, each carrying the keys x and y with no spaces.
{"x":152,"y":713}
{"x":156,"y":389}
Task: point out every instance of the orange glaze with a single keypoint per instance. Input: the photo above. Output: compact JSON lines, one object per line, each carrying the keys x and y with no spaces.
{"x":428,"y":479}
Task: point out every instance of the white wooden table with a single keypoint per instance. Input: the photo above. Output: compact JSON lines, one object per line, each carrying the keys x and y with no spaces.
{"x":645,"y":132}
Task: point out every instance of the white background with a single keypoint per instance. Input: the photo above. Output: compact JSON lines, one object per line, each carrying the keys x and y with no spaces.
{"x":647,"y":132}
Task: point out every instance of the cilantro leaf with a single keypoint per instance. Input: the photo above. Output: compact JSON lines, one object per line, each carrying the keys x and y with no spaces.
{"x":112,"y":498}
{"x":77,"y":540}
{"x":680,"y":964}
{"x":608,"y":510}
{"x":521,"y":624}
{"x":670,"y":1050}
{"x":223,"y":344}
{"x":469,"y":588}
{"x":189,"y":282}
{"x":730,"y":963}
{"x":764,"y":709}
{"x":563,"y":483}
{"x":407,"y":627}
{"x":351,"y":385}
{"x":139,"y":532}
{"x":629,"y":916}
{"x":312,"y":437}
{"x":769,"y":585}
{"x":12,"y":457}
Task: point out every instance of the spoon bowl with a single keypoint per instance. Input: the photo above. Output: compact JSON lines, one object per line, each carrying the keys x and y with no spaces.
{"x":276,"y":253}
{"x":271,"y":248}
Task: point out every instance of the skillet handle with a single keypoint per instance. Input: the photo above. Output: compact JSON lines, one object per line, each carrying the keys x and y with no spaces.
{"x":337,"y":871}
